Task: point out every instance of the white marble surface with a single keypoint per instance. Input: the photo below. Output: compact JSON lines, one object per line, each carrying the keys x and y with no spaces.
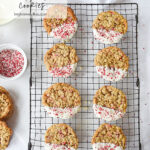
{"x":18,"y":32}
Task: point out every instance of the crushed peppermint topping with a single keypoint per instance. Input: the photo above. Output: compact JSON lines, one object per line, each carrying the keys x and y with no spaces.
{"x":106,"y":146}
{"x":107,"y":37}
{"x":111,"y":74}
{"x":63,"y":71}
{"x":107,"y":113}
{"x":11,"y":62}
{"x":65,"y":31}
{"x":49,"y":146}
{"x":65,"y":113}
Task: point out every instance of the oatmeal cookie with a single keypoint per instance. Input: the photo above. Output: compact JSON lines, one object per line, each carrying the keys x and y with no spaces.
{"x":60,"y":136}
{"x":109,"y":27}
{"x":6,"y":105}
{"x":109,"y":137}
{"x":61,"y":60}
{"x":60,"y":22}
{"x":5,"y":135}
{"x":111,"y":64}
{"x":109,"y":103}
{"x":61,"y":100}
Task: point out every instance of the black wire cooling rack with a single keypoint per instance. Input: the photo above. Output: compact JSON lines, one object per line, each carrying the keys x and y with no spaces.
{"x":85,"y":79}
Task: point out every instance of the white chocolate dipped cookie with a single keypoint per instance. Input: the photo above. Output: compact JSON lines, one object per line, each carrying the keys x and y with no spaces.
{"x":60,"y":137}
{"x":60,"y":22}
{"x":109,"y":137}
{"x":111,"y":64}
{"x":61,"y":100}
{"x":109,"y":27}
{"x":109,"y":103}
{"x":61,"y":60}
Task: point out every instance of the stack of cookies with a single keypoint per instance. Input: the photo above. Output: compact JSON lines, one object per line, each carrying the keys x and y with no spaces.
{"x":6,"y":110}
{"x":63,"y":101}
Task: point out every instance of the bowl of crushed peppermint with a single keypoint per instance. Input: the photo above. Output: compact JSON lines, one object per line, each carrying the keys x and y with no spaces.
{"x":13,"y":62}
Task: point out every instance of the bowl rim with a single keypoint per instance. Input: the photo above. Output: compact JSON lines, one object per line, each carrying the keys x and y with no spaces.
{"x":14,"y":47}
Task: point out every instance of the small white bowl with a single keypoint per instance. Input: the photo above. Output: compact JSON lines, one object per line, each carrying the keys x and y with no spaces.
{"x":14,"y":47}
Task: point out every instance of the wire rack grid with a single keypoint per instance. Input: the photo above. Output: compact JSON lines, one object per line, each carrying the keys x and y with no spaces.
{"x":85,"y":79}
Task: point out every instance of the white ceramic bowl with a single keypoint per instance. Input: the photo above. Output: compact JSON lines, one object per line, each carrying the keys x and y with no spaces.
{"x":14,"y":47}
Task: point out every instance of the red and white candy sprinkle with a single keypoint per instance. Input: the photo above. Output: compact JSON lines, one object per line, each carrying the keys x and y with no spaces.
{"x":107,"y":113}
{"x":63,"y":113}
{"x":49,"y":146}
{"x":11,"y":62}
{"x":111,"y":74}
{"x":63,"y":71}
{"x":107,"y":37}
{"x":64,"y":32}
{"x":106,"y":146}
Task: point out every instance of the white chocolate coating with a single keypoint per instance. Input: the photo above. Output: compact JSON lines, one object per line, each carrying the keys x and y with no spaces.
{"x":107,"y":37}
{"x":107,"y":113}
{"x":63,"y":71}
{"x":106,"y":146}
{"x":56,"y":147}
{"x":64,"y":32}
{"x":65,"y":113}
{"x":111,"y":74}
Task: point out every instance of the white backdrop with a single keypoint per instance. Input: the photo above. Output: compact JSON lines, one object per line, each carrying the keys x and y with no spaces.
{"x":18,"y":32}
